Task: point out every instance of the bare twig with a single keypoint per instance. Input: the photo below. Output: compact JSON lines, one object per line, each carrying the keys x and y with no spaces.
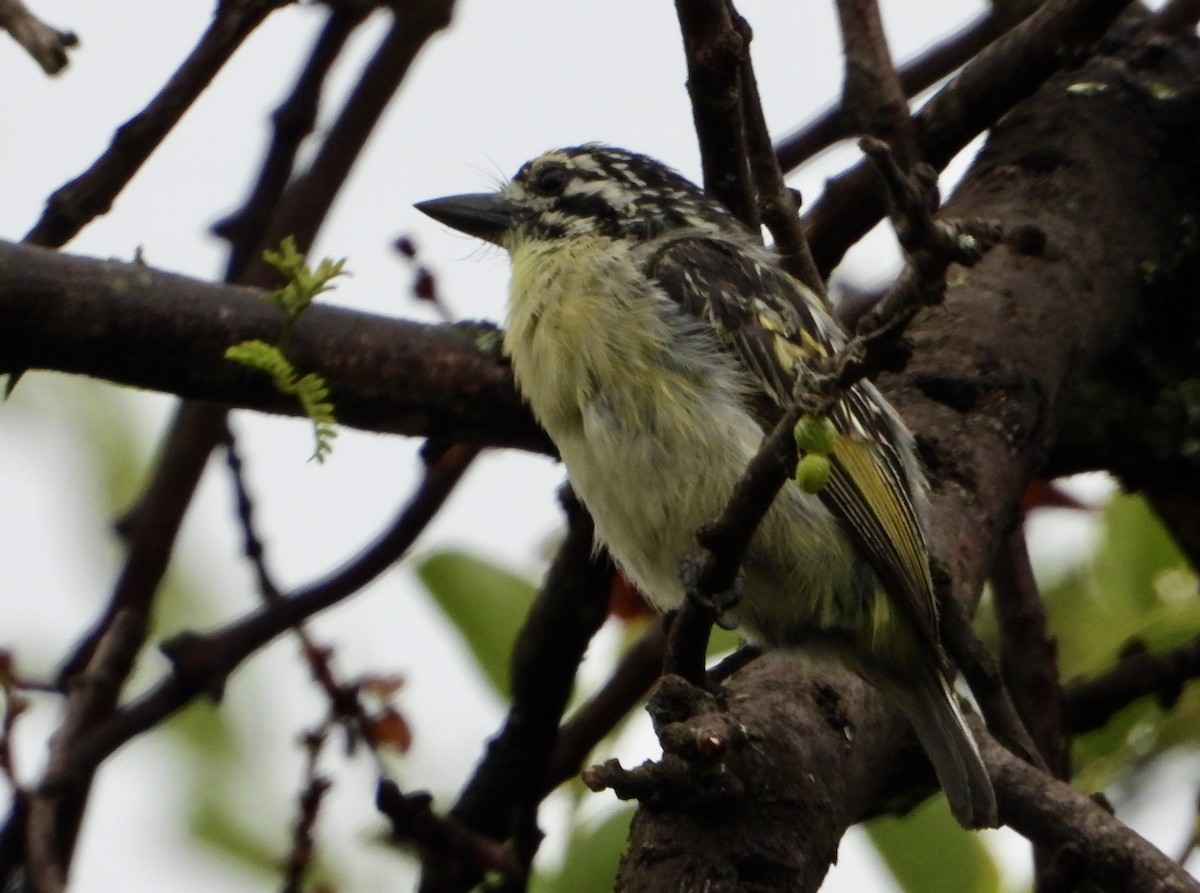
{"x":198,"y":427}
{"x":930,"y":245}
{"x":293,"y":121}
{"x":512,"y":777}
{"x":309,"y":197}
{"x":91,"y":194}
{"x":345,"y":704}
{"x":308,"y":808}
{"x":778,"y":205}
{"x":636,"y":672}
{"x":414,"y":821}
{"x":736,"y":155}
{"x":53,"y":811}
{"x":48,"y":46}
{"x":1075,"y":827}
{"x":834,"y":123}
{"x":715,"y":50}
{"x":1030,"y":670}
{"x":1001,"y":75}
{"x":1028,"y":655}
{"x":202,"y":663}
{"x":872,"y":94}
{"x":1090,"y":703}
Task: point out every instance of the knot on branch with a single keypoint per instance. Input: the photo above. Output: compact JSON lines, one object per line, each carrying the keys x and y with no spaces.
{"x":413,"y":821}
{"x":697,"y":735}
{"x":191,"y":659}
{"x":672,"y":782}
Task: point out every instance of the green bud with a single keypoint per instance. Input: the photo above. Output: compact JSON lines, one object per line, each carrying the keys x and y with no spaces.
{"x":812,"y":473}
{"x":815,"y":435}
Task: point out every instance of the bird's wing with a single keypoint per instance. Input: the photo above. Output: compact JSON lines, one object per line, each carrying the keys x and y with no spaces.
{"x":773,"y":326}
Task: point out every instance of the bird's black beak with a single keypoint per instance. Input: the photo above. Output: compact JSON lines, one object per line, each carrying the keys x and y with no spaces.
{"x":485,"y":215}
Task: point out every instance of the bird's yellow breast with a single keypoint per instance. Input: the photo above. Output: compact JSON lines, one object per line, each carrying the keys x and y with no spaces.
{"x":649,"y":415}
{"x":584,"y":326}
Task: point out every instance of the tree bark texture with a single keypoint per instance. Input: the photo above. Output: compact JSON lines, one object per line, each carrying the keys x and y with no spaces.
{"x":1095,"y":179}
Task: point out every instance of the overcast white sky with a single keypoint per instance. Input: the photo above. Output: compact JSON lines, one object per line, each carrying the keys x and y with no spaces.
{"x":505,"y":82}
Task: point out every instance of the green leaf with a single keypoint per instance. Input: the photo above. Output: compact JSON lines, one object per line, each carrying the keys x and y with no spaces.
{"x":486,"y":603}
{"x":302,"y":285}
{"x":1134,"y":552}
{"x":1139,"y":587}
{"x":592,"y":857}
{"x":310,"y":390}
{"x":265,"y":358}
{"x":214,"y":826}
{"x":927,"y":852}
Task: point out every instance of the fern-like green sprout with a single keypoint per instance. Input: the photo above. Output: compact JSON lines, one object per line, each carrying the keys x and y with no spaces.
{"x":301,"y":287}
{"x":301,"y":284}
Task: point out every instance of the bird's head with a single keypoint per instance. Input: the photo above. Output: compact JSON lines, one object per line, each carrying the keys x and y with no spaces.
{"x":582,"y":191}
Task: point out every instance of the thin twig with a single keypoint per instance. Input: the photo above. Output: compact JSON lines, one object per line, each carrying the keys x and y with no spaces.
{"x":202,"y":663}
{"x":445,"y":838}
{"x":996,"y":79}
{"x":91,"y":194}
{"x":715,"y":49}
{"x":292,"y":121}
{"x":632,"y":678}
{"x":872,"y":94}
{"x":308,"y":808}
{"x":1060,"y":819}
{"x":778,"y":205}
{"x":1030,"y":671}
{"x":1028,"y":655}
{"x":511,"y":779}
{"x":928,"y":68}
{"x":307,"y":200}
{"x":55,"y":804}
{"x":344,"y":702}
{"x":48,"y":46}
{"x":300,"y":211}
{"x":1090,"y":703}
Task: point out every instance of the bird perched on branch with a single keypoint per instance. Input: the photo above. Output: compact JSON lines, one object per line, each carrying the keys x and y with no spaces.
{"x":656,"y":339}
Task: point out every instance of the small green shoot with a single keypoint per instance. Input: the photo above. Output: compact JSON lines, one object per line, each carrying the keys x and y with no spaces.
{"x":300,"y":289}
{"x":301,"y":284}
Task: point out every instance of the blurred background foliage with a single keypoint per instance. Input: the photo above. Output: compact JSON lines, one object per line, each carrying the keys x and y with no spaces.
{"x":1136,"y":587}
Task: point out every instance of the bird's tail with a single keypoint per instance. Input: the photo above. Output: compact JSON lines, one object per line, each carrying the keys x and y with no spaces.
{"x":933,"y":710}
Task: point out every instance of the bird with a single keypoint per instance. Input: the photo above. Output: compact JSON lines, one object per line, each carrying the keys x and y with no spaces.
{"x":656,"y":339}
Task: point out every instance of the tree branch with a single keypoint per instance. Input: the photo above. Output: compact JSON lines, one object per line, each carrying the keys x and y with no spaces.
{"x":48,"y":46}
{"x":1090,"y":703}
{"x":1076,"y":828}
{"x":990,"y":373}
{"x":928,"y":68}
{"x":91,"y":194}
{"x":872,"y":94}
{"x":512,"y":777}
{"x":202,"y":663}
{"x":137,"y":326}
{"x":715,"y":50}
{"x":1003,"y":74}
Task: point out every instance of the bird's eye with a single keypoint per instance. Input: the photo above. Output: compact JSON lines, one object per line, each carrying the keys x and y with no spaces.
{"x":550,"y":180}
